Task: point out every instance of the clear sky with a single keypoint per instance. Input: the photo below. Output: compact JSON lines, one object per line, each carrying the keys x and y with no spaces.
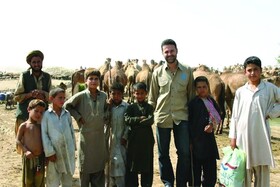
{"x":74,"y":33}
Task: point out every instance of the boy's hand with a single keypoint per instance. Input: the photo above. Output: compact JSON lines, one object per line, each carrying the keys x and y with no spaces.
{"x":123,"y":142}
{"x":208,"y":128}
{"x":233,"y":144}
{"x":110,"y":101}
{"x":28,"y":154}
{"x":81,"y":121}
{"x":52,"y":158}
{"x":142,"y":118}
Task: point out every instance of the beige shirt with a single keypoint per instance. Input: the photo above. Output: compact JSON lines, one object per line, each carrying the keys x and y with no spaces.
{"x":20,"y":92}
{"x":170,"y":93}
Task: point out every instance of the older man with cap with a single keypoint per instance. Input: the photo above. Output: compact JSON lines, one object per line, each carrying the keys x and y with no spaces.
{"x":32,"y":84}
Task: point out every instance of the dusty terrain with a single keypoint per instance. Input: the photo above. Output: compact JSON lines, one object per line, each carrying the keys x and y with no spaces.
{"x":10,"y":162}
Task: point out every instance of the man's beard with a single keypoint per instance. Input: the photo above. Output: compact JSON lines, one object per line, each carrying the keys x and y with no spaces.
{"x":171,"y":59}
{"x":36,"y":70}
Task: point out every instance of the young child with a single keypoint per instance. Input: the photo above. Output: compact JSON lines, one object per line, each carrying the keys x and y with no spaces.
{"x":29,"y":141}
{"x":254,"y":104}
{"x":89,"y":108}
{"x":140,"y":118}
{"x":204,"y":116}
{"x":58,"y":141}
{"x":118,"y":140}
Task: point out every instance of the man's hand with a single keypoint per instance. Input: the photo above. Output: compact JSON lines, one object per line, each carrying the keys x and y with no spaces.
{"x":38,"y":94}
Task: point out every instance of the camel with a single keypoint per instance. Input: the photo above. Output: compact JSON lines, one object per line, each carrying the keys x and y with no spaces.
{"x":232,"y":80}
{"x":152,"y":64}
{"x":217,"y":91}
{"x":131,"y":73}
{"x":116,"y":74}
{"x":103,"y":69}
{"x":145,"y":75}
{"x":273,"y":79}
{"x":77,"y":78}
{"x":158,"y":65}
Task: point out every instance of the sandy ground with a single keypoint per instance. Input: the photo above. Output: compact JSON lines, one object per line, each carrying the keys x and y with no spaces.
{"x":10,"y":162}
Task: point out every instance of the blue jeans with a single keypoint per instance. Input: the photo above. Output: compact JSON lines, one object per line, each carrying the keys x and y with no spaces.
{"x":182,"y":143}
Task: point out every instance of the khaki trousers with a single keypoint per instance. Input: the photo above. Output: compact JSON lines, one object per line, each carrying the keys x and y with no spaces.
{"x":259,"y":175}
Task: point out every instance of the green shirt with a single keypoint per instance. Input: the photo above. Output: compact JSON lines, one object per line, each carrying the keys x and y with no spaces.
{"x":92,"y":147}
{"x":169,"y":94}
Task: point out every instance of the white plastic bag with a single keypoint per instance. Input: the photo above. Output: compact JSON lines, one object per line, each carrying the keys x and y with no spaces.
{"x":233,"y":167}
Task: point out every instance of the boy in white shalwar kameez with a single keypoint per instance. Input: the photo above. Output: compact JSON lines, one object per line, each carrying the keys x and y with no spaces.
{"x":119,"y":132}
{"x":254,"y":104}
{"x":58,"y":141}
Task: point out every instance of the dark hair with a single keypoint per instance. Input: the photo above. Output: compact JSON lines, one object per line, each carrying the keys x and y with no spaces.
{"x":36,"y":102}
{"x":140,"y":86}
{"x":168,"y":42}
{"x":117,"y":86}
{"x":253,"y":60}
{"x":53,"y":93}
{"x":92,"y":71}
{"x":201,"y":79}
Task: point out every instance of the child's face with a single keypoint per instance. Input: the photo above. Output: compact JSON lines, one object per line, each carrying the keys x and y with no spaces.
{"x":92,"y":82}
{"x":202,"y":89}
{"x":36,"y":113}
{"x":58,"y":100}
{"x":116,"y":96}
{"x":253,"y":72}
{"x":140,"y":95}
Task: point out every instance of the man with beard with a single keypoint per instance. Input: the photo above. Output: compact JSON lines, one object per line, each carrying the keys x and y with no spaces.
{"x":32,"y":84}
{"x":171,"y":90}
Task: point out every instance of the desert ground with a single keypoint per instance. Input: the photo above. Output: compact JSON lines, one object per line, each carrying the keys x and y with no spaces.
{"x":10,"y":162}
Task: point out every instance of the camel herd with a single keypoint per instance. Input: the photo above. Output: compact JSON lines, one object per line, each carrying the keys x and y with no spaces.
{"x":223,"y":85}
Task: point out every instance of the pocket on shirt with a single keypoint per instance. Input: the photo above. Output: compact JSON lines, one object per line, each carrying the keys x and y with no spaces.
{"x":182,"y":86}
{"x":163,"y":84}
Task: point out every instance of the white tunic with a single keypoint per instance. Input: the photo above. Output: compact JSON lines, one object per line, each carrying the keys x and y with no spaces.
{"x":119,"y":131}
{"x":59,"y":138}
{"x":249,"y":125}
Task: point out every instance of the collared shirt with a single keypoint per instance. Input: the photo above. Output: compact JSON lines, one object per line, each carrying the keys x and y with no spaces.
{"x":58,"y":138}
{"x":169,"y":94}
{"x":20,"y":91}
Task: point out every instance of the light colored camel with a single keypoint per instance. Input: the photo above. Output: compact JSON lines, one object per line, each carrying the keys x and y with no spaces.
{"x":77,"y":78}
{"x":116,"y":74}
{"x":232,"y":80}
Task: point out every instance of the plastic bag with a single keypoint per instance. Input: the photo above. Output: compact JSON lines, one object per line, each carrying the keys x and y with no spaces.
{"x":233,"y":167}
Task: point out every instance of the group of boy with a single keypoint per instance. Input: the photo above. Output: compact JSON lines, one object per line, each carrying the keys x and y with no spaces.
{"x":46,"y":134}
{"x":129,"y":150}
